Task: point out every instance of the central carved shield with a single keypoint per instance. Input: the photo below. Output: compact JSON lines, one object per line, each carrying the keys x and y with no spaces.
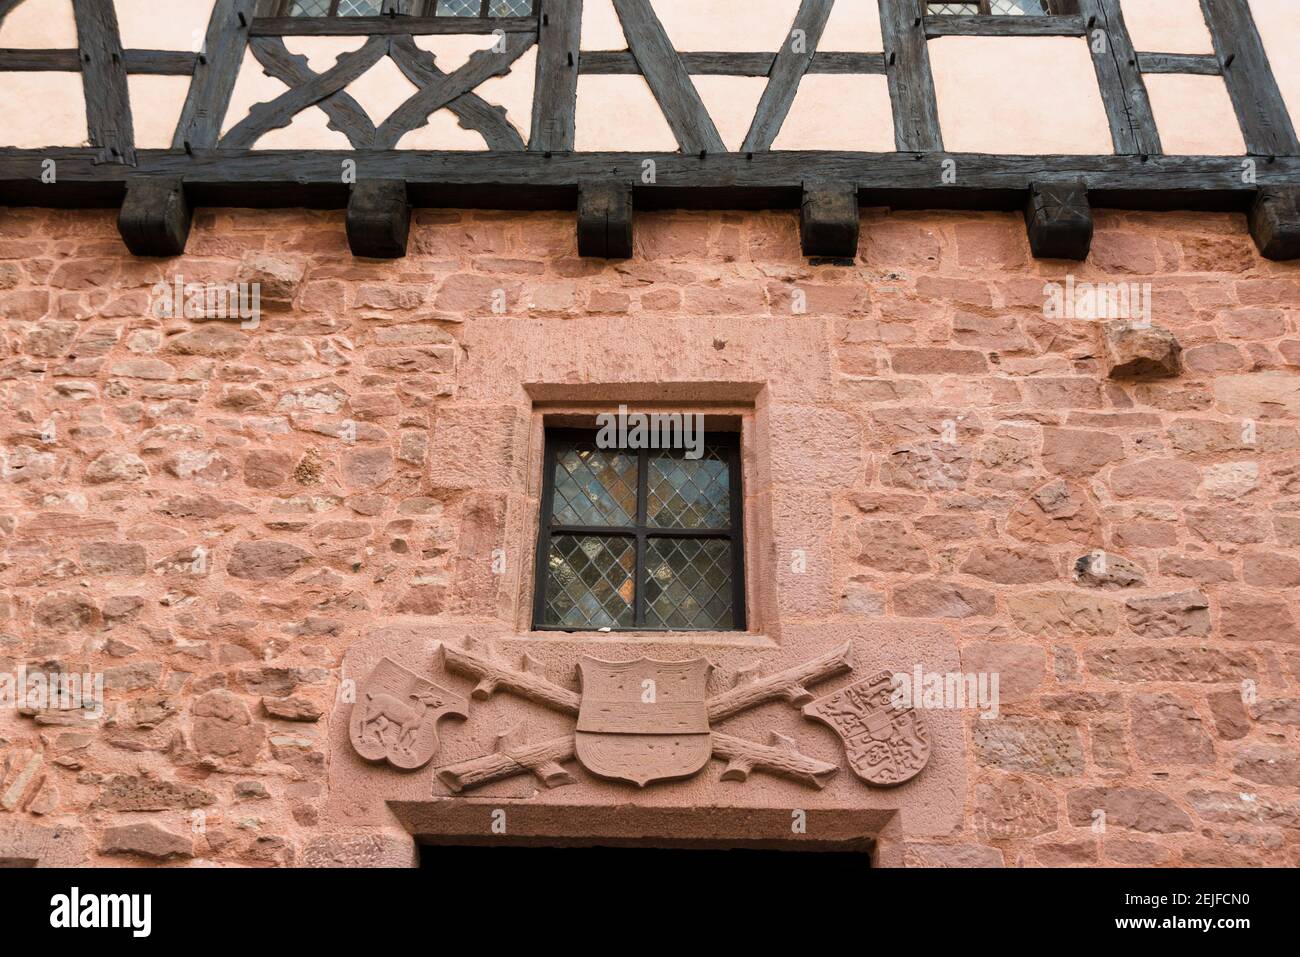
{"x":643,"y":721}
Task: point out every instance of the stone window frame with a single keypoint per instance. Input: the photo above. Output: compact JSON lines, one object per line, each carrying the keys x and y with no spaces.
{"x":641,"y":530}
{"x":740,"y":407}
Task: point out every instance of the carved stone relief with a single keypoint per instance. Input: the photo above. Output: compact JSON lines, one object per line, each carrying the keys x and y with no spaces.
{"x":396,"y":714}
{"x":639,"y":721}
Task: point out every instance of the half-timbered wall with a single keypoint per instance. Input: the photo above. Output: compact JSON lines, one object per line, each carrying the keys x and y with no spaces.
{"x":1035,"y":93}
{"x":1145,"y":102}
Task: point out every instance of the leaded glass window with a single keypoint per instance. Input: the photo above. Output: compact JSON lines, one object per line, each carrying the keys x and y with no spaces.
{"x":640,"y":539}
{"x":431,"y":8}
{"x":1000,"y":8}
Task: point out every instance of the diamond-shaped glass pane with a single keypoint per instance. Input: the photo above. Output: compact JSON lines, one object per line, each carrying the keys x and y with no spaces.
{"x":589,"y":582}
{"x":689,"y":493}
{"x":459,"y":8}
{"x":593,"y":486}
{"x":688,"y":583}
{"x":1017,"y":8}
{"x":953,"y":9}
{"x":360,"y":8}
{"x":510,"y":8}
{"x":309,"y":8}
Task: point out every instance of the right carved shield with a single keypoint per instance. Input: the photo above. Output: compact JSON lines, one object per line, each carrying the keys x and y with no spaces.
{"x":885,"y":745}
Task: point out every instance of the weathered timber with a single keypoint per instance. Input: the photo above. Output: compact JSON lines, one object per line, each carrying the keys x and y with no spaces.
{"x":1124,"y":95}
{"x":555,"y":100}
{"x":668,"y":79}
{"x":522,"y":180}
{"x":792,"y":61}
{"x":214,"y":76}
{"x":828,"y":220}
{"x":379,"y":219}
{"x":911,"y":84}
{"x":1275,"y":222}
{"x":155,"y":217}
{"x":1059,"y":220}
{"x":1266,"y":125}
{"x":1197,"y":63}
{"x":605,"y":220}
{"x":103,"y":76}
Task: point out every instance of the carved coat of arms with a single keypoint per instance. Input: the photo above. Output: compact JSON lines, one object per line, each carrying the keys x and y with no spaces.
{"x":643,"y":720}
{"x":885,"y":745}
{"x":396,"y":714}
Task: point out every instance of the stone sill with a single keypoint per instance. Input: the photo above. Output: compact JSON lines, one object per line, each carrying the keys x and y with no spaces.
{"x":729,"y":639}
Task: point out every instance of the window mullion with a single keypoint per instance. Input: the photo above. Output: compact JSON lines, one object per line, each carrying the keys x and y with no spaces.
{"x":739,"y":620}
{"x":642,"y":486}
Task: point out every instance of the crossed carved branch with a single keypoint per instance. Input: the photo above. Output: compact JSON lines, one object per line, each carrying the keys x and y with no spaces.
{"x":513,"y":757}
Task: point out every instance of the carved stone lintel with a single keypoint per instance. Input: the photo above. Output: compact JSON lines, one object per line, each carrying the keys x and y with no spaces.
{"x":621,"y":733}
{"x":605,"y":220}
{"x":379,"y":219}
{"x":1059,"y":220}
{"x":1275,"y":222}
{"x":155,"y":217}
{"x":829,"y":220}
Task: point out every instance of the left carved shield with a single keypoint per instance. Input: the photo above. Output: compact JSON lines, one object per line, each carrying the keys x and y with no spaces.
{"x":643,"y":720}
{"x":396,"y":714}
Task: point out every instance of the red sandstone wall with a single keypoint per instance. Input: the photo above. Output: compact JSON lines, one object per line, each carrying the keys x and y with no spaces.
{"x":1121,"y":693}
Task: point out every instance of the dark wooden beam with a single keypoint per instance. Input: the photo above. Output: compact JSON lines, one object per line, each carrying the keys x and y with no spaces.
{"x":828,"y":221}
{"x":482,"y":66}
{"x":1059,"y":220}
{"x":734,"y":64}
{"x":1200,"y":64}
{"x":911,"y":84}
{"x":103,"y":75}
{"x":1265,"y":123}
{"x":346,"y":115}
{"x":474,"y":112}
{"x":791,"y":63}
{"x":1275,"y":222}
{"x":157,"y":62}
{"x":672,"y":86}
{"x":389,"y":26}
{"x":155,"y":216}
{"x":214,"y":76}
{"x":1002,"y":26}
{"x":522,"y":180}
{"x":605,"y":219}
{"x":556,"y":92}
{"x":379,"y":219}
{"x":1128,"y":108}
{"x":279,"y":113}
